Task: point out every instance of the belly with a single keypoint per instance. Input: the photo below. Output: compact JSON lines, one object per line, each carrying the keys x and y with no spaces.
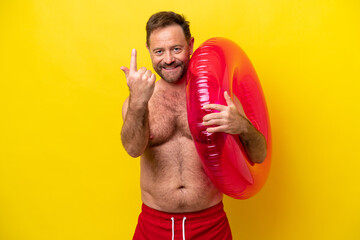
{"x":173,"y":179}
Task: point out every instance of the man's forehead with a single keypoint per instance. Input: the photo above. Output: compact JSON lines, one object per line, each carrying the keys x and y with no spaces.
{"x":172,"y":34}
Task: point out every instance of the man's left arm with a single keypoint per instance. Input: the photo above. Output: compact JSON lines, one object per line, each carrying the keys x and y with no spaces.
{"x":233,"y":121}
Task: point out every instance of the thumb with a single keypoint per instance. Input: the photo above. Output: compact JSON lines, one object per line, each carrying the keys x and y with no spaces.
{"x":125,"y":70}
{"x":228,"y":99}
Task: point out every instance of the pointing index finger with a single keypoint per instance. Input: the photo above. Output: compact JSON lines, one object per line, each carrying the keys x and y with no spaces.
{"x":133,"y":64}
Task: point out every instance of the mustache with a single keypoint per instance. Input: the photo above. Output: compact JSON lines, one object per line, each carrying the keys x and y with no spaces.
{"x":173,"y":64}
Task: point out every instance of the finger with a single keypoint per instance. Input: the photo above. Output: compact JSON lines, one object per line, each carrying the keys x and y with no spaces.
{"x":148,"y":74}
{"x":210,"y":116}
{"x":215,"y":107}
{"x":217,"y":122}
{"x":133,"y":64}
{"x":228,"y":99}
{"x":125,"y":70}
{"x":142,"y":70}
{"x":152,"y":78}
{"x":216,"y":129}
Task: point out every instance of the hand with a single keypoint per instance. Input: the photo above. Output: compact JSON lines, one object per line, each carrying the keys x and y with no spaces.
{"x":227,"y":120}
{"x":140,"y":82}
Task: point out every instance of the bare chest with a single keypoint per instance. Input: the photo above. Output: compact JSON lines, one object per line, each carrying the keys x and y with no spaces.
{"x":167,"y":117}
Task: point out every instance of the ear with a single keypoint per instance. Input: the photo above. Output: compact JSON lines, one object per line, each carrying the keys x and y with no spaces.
{"x":191,"y":45}
{"x":148,"y":48}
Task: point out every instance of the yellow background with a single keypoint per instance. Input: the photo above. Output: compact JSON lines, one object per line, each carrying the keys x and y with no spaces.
{"x":63,"y":171}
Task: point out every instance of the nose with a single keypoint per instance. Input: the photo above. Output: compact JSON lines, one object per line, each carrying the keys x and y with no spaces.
{"x":169,"y":58}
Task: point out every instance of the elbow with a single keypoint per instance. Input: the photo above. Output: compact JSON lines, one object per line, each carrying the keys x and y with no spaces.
{"x":258,"y":160}
{"x":131,"y":148}
{"x":260,"y":157}
{"x":261,"y":154}
{"x":132,"y":151}
{"x":134,"y":154}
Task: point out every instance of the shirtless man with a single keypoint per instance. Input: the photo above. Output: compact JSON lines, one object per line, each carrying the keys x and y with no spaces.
{"x":179,"y":200}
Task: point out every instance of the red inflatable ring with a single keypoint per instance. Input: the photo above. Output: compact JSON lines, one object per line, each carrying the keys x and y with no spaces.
{"x":220,"y":65}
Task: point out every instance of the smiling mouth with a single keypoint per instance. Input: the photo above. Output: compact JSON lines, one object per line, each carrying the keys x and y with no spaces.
{"x":170,"y":68}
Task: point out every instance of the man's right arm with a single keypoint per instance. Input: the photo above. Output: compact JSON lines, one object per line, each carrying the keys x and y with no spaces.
{"x":135,"y":131}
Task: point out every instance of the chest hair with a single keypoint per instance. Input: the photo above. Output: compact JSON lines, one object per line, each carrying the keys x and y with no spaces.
{"x":167,"y":117}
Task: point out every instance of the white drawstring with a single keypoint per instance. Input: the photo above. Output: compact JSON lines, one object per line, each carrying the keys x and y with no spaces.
{"x":173,"y":235}
{"x":183,"y":228}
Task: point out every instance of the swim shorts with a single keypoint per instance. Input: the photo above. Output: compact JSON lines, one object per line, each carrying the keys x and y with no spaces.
{"x":208,"y":224}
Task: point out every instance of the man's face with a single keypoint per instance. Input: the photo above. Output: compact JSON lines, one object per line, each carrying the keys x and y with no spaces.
{"x":170,"y":52}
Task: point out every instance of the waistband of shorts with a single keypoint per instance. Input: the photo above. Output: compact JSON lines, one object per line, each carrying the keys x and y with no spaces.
{"x":206,"y":213}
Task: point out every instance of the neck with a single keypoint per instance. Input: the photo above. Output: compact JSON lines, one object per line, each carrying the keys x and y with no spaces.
{"x":181,"y":83}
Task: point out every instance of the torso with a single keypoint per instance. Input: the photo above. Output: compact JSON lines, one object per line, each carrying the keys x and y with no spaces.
{"x":172,"y":177}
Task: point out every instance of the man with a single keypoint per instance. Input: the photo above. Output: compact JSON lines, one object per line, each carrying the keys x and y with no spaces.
{"x":179,"y":200}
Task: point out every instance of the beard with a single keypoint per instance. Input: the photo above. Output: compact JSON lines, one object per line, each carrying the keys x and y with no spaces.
{"x":173,"y":72}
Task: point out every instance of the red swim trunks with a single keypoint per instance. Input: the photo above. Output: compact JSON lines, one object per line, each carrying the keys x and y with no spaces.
{"x":208,"y":224}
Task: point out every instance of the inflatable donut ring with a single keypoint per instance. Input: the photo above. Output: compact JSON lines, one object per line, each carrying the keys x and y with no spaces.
{"x":220,"y":65}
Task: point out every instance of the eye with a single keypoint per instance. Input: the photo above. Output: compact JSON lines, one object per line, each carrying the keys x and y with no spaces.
{"x":177,"y":49}
{"x":158,"y":52}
